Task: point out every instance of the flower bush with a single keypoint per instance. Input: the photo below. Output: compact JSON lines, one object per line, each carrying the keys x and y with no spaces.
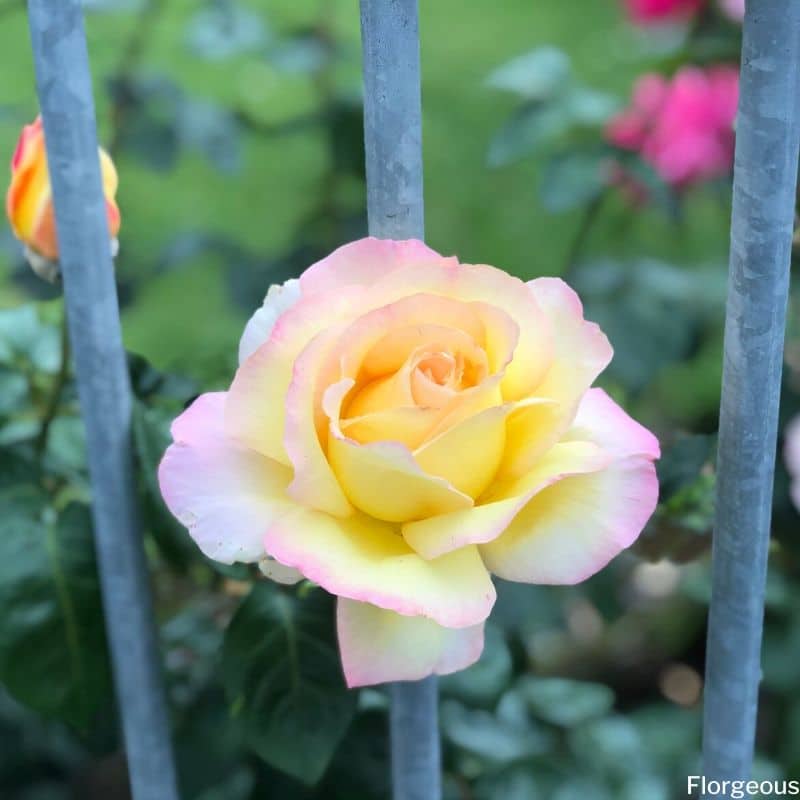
{"x":682,"y":127}
{"x":400,"y":426}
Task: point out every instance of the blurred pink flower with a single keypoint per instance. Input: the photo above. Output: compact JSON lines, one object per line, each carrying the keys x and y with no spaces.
{"x":791,"y":455}
{"x":648,"y":12}
{"x":683,"y":128}
{"x":733,"y":9}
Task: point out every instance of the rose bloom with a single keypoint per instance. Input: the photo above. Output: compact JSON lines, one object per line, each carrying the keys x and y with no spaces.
{"x":647,"y":12}
{"x":682,"y":127}
{"x":400,"y":426}
{"x":791,"y":455}
{"x":29,"y":202}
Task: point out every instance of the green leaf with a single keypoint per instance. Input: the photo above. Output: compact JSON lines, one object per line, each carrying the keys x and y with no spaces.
{"x":611,"y":745}
{"x":536,"y":75}
{"x":225,"y":30}
{"x":682,"y":461}
{"x":573,"y":179}
{"x":495,"y":738}
{"x":24,"y":337}
{"x":13,"y":391}
{"x":280,"y":666}
{"x":52,"y":643}
{"x":566,"y":702}
{"x":516,"y":783}
{"x":482,"y":683}
{"x":530,"y":127}
{"x":151,"y":438}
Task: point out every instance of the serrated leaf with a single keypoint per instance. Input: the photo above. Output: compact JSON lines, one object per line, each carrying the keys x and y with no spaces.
{"x":280,"y":667}
{"x":52,"y":642}
{"x":498,"y":740}
{"x":565,"y":702}
{"x":526,"y":131}
{"x":536,"y":75}
{"x":573,"y":179}
{"x":225,"y":30}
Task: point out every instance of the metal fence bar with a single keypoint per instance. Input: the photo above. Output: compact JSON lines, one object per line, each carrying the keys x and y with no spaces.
{"x":65,"y":96}
{"x":393,"y":140}
{"x":765,"y":179}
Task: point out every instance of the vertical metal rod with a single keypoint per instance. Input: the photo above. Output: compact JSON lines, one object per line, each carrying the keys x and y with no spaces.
{"x":765,"y":179}
{"x":393,"y":140}
{"x":65,"y":96}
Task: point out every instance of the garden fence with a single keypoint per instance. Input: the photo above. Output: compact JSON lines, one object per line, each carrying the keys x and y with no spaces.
{"x":767,"y":149}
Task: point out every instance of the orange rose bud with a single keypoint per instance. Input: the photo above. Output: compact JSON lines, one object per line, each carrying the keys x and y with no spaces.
{"x":29,"y":203}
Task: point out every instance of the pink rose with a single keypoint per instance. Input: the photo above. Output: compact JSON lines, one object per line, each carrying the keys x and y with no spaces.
{"x":400,"y":426}
{"x":647,"y":12}
{"x":683,"y":128}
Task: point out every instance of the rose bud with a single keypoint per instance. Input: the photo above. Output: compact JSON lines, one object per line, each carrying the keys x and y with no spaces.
{"x":29,"y":202}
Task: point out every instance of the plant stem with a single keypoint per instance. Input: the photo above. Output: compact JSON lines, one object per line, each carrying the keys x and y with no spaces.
{"x":56,"y":390}
{"x":587,"y":223}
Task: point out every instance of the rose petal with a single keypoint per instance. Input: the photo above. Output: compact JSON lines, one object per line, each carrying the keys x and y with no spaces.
{"x":379,"y":646}
{"x":364,"y":262}
{"x":363,"y":559}
{"x":279,"y":299}
{"x":601,"y":420}
{"x":255,"y":412}
{"x":226,"y":495}
{"x":581,"y":349}
{"x":315,"y":482}
{"x":572,"y":529}
{"x":442,"y":534}
{"x":581,"y":353}
{"x":384,"y":480}
{"x":499,"y":291}
{"x":468,"y":454}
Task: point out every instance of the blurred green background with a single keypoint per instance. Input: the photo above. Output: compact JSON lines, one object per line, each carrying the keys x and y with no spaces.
{"x":236,"y":129}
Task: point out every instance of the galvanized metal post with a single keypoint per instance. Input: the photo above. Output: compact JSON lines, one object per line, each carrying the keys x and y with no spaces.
{"x":65,"y":96}
{"x":393,"y":138}
{"x":765,"y":179}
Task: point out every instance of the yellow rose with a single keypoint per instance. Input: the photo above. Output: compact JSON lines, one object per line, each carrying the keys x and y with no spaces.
{"x":402,"y":425}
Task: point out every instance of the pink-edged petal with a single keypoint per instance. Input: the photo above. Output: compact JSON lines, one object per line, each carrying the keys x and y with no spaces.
{"x":363,"y":559}
{"x":442,"y":534}
{"x":226,"y":495}
{"x":601,"y":420}
{"x":581,"y":349}
{"x":379,"y":646}
{"x":364,"y":262}
{"x":572,"y":529}
{"x":581,"y":352}
{"x":280,"y":298}
{"x":315,"y":483}
{"x":255,"y":412}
